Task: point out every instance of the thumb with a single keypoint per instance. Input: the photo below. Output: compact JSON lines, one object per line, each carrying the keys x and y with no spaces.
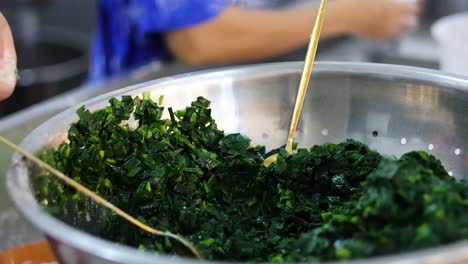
{"x":7,"y":60}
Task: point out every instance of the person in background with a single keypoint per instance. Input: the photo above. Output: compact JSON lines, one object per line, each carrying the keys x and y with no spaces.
{"x":132,"y":33}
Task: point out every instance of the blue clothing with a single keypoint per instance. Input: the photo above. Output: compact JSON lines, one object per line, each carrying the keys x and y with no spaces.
{"x":129,"y":32}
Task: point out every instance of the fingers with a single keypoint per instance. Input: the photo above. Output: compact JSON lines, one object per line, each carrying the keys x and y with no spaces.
{"x":409,"y":22}
{"x":7,"y":60}
{"x":386,"y":19}
{"x":409,"y":7}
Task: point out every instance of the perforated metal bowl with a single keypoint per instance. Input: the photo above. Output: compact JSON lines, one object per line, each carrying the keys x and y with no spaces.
{"x":393,"y":109}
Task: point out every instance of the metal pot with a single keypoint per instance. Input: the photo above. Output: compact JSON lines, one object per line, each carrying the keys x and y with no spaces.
{"x":393,"y":109}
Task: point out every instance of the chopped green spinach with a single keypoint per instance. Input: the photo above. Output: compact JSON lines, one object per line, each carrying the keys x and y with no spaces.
{"x":184,"y":175}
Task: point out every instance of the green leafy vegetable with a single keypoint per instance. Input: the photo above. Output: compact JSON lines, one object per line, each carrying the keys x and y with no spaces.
{"x":184,"y":175}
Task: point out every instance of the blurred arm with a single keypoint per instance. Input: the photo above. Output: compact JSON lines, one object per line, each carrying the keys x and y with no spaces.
{"x":242,"y":35}
{"x":239,"y":34}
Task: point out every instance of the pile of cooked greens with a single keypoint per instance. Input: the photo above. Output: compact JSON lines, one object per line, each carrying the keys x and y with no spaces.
{"x":183,"y":174}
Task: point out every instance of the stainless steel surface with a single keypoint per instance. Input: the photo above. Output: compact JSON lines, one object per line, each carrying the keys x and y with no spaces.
{"x":410,"y":108}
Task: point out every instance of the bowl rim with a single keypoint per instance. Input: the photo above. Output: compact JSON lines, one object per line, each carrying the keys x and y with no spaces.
{"x":18,"y":187}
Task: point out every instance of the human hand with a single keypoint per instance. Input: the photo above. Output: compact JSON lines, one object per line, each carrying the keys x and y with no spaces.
{"x":7,"y":60}
{"x":381,"y":19}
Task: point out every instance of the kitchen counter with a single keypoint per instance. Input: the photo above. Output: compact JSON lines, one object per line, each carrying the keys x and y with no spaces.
{"x":417,"y":48}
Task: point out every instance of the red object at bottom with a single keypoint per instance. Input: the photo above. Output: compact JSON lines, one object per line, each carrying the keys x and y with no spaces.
{"x":33,"y":253}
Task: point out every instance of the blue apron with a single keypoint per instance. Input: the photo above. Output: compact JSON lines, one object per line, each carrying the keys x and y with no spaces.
{"x":129,"y":32}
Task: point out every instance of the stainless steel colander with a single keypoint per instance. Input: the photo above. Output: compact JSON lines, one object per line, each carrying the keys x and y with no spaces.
{"x":393,"y":109}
